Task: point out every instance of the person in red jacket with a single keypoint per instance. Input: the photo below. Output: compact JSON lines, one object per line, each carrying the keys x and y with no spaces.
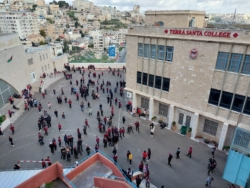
{"x":141,"y":166}
{"x":190,"y":152}
{"x":59,"y":126}
{"x":43,"y":164}
{"x":144,"y":156}
{"x":12,"y":128}
{"x":115,"y":158}
{"x":77,"y":96}
{"x":105,"y":120}
{"x":45,"y":130}
{"x":70,"y":103}
{"x":59,"y":141}
{"x":43,"y":94}
{"x":97,"y":141}
{"x":86,"y":123}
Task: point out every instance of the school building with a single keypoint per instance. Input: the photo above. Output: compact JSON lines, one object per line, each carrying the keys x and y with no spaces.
{"x":196,"y":76}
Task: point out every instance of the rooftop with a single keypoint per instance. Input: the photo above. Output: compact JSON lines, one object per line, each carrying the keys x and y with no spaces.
{"x":35,"y":49}
{"x":154,"y":12}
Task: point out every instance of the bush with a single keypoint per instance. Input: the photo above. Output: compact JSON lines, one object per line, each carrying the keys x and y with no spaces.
{"x":226,"y":147}
{"x":2,"y":119}
{"x":160,"y":121}
{"x":206,"y":141}
{"x":153,"y":118}
{"x":189,"y":129}
{"x":174,"y":123}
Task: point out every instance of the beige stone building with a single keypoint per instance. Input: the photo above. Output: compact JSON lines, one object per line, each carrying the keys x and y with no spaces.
{"x":176,"y":18}
{"x":36,"y":38}
{"x":197,"y":77}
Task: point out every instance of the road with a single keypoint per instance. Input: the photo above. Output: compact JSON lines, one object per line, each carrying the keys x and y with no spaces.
{"x":122,"y":56}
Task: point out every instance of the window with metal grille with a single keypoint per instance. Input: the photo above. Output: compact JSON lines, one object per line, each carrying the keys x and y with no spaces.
{"x":226,"y":99}
{"x":246,"y":65}
{"x":160,"y":52}
{"x":238,"y":103}
{"x":247,"y":107}
{"x":169,"y":53}
{"x":140,"y":49}
{"x":210,"y":127}
{"x":180,"y":120}
{"x":144,"y":103}
{"x":242,"y":138}
{"x":153,"y":51}
{"x":235,"y":62}
{"x":163,"y":110}
{"x":222,"y":60}
{"x":214,"y":96}
{"x":151,"y":80}
{"x":188,"y":121}
{"x":144,"y":78}
{"x":146,"y":50}
{"x":138,"y":77}
{"x":30,"y":61}
{"x":158,"y":82}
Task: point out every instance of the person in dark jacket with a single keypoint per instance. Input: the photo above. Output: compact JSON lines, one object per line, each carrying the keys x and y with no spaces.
{"x":138,"y":181}
{"x":149,"y":153}
{"x":169,"y":159}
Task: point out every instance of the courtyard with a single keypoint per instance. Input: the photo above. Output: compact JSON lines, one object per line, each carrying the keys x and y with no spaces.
{"x":185,"y":172}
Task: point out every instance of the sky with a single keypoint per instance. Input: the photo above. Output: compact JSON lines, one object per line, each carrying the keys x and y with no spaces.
{"x":210,"y":6}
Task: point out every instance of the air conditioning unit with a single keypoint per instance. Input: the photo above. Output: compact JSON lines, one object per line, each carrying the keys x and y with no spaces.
{"x":129,"y":95}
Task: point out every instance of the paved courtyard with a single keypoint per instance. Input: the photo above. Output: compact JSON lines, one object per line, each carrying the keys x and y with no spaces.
{"x":185,"y":172}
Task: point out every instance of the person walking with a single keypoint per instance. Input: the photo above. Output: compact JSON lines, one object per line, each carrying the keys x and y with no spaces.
{"x":11,"y":141}
{"x":152,"y":130}
{"x":123,"y":120}
{"x":59,"y":126}
{"x":144,"y":156}
{"x":87,"y":123}
{"x":190,"y":152}
{"x":12,"y":128}
{"x":115,"y":157}
{"x":88,"y":150}
{"x":90,"y":111}
{"x":56,"y":113}
{"x":43,"y":163}
{"x":70,"y":103}
{"x":209,"y":181}
{"x":63,"y":115}
{"x":49,"y":105}
{"x":141,"y":166}
{"x":96,"y":148}
{"x":178,"y":153}
{"x":130,"y":157}
{"x":169,"y":159}
{"x":138,"y":181}
{"x":149,"y":154}
{"x":82,"y":106}
{"x":213,"y":150}
{"x":97,"y":141}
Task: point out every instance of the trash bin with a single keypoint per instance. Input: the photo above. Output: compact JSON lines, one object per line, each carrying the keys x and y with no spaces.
{"x":183,"y":130}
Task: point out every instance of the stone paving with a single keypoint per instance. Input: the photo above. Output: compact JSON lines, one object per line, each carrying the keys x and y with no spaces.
{"x":185,"y":172}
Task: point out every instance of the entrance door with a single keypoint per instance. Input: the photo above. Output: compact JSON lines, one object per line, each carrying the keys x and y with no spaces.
{"x":33,"y":76}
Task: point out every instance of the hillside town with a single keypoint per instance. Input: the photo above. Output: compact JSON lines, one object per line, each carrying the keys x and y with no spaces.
{"x":84,"y":30}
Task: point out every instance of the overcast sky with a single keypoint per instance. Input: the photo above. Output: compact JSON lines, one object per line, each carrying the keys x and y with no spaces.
{"x":210,"y":6}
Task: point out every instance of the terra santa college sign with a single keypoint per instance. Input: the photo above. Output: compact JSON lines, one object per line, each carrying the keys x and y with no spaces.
{"x":220,"y":34}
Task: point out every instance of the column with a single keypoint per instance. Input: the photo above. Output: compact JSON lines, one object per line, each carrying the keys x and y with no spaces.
{"x":134,"y":102}
{"x":170,"y":116}
{"x":195,"y":125}
{"x":223,"y":136}
{"x":151,"y":109}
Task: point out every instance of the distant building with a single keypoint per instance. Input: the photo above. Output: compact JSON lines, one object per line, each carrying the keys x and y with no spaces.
{"x":22,"y":22}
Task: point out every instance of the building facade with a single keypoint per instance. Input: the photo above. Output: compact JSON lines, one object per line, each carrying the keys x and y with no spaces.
{"x":22,"y":22}
{"x":199,"y":78}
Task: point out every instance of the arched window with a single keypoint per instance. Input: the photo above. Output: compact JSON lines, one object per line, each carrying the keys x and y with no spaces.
{"x":6,"y":90}
{"x":160,"y":23}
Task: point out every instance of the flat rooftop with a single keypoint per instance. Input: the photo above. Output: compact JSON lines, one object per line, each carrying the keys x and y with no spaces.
{"x":156,"y":12}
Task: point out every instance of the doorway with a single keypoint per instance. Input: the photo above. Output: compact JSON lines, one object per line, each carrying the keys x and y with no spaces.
{"x":33,"y":76}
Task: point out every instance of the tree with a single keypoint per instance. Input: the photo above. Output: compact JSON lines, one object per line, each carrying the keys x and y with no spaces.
{"x":65,"y":47}
{"x":67,"y":25}
{"x":82,"y":34}
{"x":58,"y":39}
{"x":63,"y":4}
{"x":76,"y":24}
{"x":42,"y":32}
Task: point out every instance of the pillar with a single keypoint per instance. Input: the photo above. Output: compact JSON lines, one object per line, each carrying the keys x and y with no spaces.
{"x":195,"y":125}
{"x":170,"y":116}
{"x":151,"y":109}
{"x":223,"y":136}
{"x":134,"y":102}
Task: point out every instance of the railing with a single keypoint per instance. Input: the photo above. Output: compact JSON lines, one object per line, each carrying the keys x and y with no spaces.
{"x":69,"y":181}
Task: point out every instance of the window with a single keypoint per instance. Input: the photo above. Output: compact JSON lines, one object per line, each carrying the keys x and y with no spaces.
{"x":188,"y":121}
{"x":140,"y":49}
{"x":40,"y":58}
{"x":48,"y":66}
{"x":151,"y":80}
{"x":160,"y":23}
{"x":163,"y":110}
{"x":42,"y":69}
{"x":153,"y":51}
{"x":160,"y":52}
{"x":45,"y":67}
{"x":169,"y":53}
{"x":30,"y":61}
{"x":43,"y":57}
{"x":222,"y":60}
{"x":144,"y":103}
{"x":146,"y":50}
{"x":138,"y":77}
{"x":165,"y":85}
{"x":247,"y":106}
{"x":180,"y":121}
{"x":226,"y":99}
{"x":235,"y":62}
{"x":47,"y":56}
{"x":158,"y":82}
{"x":145,"y":79}
{"x":214,"y":97}
{"x":246,"y":65}
{"x":238,"y":103}
{"x":210,"y":127}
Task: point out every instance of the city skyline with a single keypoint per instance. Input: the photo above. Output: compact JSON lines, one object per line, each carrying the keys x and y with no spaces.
{"x":210,"y":6}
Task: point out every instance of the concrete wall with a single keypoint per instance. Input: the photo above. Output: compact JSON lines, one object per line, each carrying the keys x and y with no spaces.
{"x":108,"y":183}
{"x":45,"y":176}
{"x":99,"y":65}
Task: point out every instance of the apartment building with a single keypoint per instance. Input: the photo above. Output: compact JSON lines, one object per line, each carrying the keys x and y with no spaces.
{"x":22,"y":22}
{"x":121,"y":35}
{"x":98,"y":40}
{"x":197,"y":77}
